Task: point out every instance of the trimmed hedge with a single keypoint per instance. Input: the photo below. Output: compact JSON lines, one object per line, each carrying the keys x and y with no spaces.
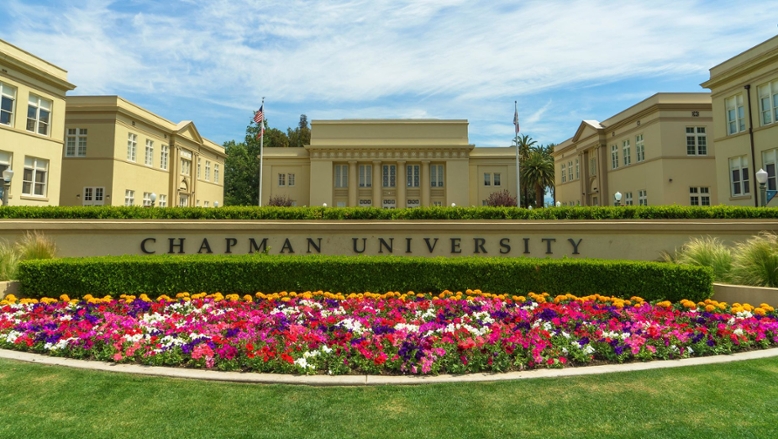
{"x":371,"y":213}
{"x":248,"y":274}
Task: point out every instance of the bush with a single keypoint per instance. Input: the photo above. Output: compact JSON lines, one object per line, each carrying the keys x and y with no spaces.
{"x":372,"y":213}
{"x":501,"y":199}
{"x":707,"y":252}
{"x":280,"y":200}
{"x":248,"y":274}
{"x":756,"y":261}
{"x":8,"y":261}
{"x":35,"y":245}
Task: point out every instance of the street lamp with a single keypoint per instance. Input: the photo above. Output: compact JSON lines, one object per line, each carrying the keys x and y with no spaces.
{"x":453,"y":204}
{"x":8,"y":174}
{"x":761,"y":177}
{"x":558,"y":204}
{"x":215,"y":204}
{"x":617,"y":197}
{"x":153,"y":198}
{"x":324,"y":204}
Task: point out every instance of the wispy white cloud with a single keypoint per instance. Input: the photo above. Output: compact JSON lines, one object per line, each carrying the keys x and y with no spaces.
{"x":381,"y":58}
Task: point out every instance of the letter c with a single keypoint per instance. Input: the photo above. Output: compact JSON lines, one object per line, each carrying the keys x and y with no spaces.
{"x":143,"y":246}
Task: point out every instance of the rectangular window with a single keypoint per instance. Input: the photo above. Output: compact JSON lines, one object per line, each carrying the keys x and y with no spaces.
{"x":593,"y":167}
{"x":149,"y":158}
{"x":696,"y":141}
{"x":390,"y":176}
{"x":769,"y":160}
{"x":642,"y":198}
{"x":38,"y":115}
{"x":341,"y":176}
{"x":365,"y":175}
{"x":162,"y":201}
{"x":147,"y":199}
{"x":186,"y":164}
{"x":628,"y":199}
{"x":7,"y":103}
{"x":199,"y":168}
{"x":412,"y":176}
{"x":129,"y":197}
{"x":699,"y":196}
{"x":577,"y":170}
{"x":736,"y":119}
{"x":35,"y":176}
{"x":640,"y":152}
{"x":132,"y":145}
{"x":768,"y":102}
{"x":563,"y":173}
{"x":206,"y":204}
{"x":496,"y":179}
{"x":75,"y":143}
{"x":183,"y":200}
{"x":487,"y":179}
{"x":614,"y":156}
{"x":738,"y":176}
{"x":282,"y":179}
{"x":208,"y":170}
{"x":289,"y":177}
{"x":164,"y":152}
{"x":216,"y":175}
{"x":627,"y":154}
{"x":436,"y":176}
{"x":570,"y":170}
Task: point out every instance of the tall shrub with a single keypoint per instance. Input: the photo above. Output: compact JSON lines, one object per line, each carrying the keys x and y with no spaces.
{"x":707,"y":252}
{"x":756,"y":261}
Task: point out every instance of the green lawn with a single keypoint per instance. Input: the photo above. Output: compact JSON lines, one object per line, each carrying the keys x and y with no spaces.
{"x":730,"y":400}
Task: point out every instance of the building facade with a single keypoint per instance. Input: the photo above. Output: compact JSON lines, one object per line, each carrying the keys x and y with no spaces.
{"x":32,"y":121}
{"x":119,"y":154}
{"x":744,"y":90}
{"x":388,"y":164}
{"x":659,"y":151}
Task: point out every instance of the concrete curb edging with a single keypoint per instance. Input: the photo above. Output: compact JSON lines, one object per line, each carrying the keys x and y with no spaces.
{"x":374,"y":380}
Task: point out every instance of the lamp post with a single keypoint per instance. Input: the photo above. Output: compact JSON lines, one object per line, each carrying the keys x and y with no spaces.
{"x":558,"y":204}
{"x":8,"y":174}
{"x":617,"y":197}
{"x":215,"y":204}
{"x":153,"y":198}
{"x":761,"y":177}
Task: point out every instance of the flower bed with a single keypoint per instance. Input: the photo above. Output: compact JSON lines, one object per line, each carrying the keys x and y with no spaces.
{"x":389,"y":333}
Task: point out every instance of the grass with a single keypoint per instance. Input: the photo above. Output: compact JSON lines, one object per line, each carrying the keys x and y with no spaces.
{"x":726,"y":400}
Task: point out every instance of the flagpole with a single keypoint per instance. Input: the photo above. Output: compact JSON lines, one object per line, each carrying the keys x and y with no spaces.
{"x":518,"y":169}
{"x":261,"y":149}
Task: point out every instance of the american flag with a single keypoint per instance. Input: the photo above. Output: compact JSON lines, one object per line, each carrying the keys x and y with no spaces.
{"x":516,"y":120}
{"x":259,"y":116}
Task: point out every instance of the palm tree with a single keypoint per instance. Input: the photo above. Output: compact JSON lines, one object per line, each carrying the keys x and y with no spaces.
{"x":525,"y":144}
{"x":538,"y":171}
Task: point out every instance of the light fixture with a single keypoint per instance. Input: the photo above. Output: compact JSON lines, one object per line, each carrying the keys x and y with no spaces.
{"x":558,"y":204}
{"x":453,"y":204}
{"x":153,"y":198}
{"x":215,"y":204}
{"x":324,"y":204}
{"x":761,"y":177}
{"x":617,"y":197}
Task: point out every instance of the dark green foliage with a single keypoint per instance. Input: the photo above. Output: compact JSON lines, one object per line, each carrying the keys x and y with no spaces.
{"x":362,"y":213}
{"x":247,"y":274}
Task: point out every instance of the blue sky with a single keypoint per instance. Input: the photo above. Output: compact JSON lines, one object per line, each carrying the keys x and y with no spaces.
{"x":211,"y":61}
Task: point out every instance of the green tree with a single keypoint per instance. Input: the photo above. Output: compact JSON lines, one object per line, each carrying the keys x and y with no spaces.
{"x":538,"y":171}
{"x":525,"y":143}
{"x":240,"y":175}
{"x":301,"y":135}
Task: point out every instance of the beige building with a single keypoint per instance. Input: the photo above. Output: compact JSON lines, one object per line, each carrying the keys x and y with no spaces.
{"x":659,"y":151}
{"x":32,"y":122}
{"x":119,"y":154}
{"x":745,"y":107}
{"x":388,"y":164}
